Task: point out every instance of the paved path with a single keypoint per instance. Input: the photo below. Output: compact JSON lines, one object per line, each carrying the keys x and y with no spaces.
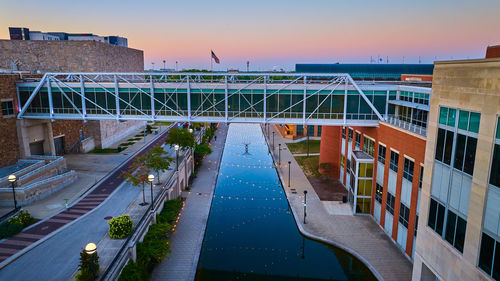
{"x":360,"y":234}
{"x":90,"y":201}
{"x":187,"y":239}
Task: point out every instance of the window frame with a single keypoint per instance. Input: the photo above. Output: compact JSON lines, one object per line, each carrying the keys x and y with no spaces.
{"x":7,"y":109}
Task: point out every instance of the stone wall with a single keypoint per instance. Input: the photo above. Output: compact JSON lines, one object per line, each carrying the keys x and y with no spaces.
{"x":69,"y":56}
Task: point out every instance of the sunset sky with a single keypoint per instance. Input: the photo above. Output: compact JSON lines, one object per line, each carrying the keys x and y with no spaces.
{"x":272,"y":33}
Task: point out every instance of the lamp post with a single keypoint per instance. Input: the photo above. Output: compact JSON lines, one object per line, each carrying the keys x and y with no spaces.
{"x":305,"y":205}
{"x":289,"y":164}
{"x":151,"y":178}
{"x":279,"y":154}
{"x":13,"y":179}
{"x":176,"y":147}
{"x":91,"y":250}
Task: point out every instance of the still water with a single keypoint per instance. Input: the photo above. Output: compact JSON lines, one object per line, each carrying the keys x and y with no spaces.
{"x":251,"y":233}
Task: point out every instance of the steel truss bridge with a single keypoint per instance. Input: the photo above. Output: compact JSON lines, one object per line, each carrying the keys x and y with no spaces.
{"x":315,"y":99}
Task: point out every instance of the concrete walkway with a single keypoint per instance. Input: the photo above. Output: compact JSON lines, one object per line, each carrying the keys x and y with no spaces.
{"x":359,"y":235}
{"x":187,"y":239}
{"x":17,"y":245}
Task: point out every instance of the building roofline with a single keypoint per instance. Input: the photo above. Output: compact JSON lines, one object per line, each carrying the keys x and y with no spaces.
{"x":481,"y":60}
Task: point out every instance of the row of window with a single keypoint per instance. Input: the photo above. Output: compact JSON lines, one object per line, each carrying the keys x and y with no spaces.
{"x":468,"y":121}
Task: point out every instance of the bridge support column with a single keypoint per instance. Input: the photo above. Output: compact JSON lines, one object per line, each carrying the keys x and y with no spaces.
{"x":330,"y":147}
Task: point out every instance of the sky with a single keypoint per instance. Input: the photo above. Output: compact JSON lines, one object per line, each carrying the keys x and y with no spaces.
{"x":273,"y":34}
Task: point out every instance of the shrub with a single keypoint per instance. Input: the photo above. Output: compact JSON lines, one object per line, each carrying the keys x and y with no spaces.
{"x":202,"y":150}
{"x":120,"y":227}
{"x":8,"y":229}
{"x":133,"y":272}
{"x":24,"y":218}
{"x":89,"y":267}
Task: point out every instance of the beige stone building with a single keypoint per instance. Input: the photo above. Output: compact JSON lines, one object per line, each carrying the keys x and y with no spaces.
{"x":459,"y":225}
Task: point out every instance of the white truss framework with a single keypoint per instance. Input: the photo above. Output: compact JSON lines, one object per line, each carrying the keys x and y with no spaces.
{"x":316,"y":99}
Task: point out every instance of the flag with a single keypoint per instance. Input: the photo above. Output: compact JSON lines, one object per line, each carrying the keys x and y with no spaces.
{"x":216,"y":59}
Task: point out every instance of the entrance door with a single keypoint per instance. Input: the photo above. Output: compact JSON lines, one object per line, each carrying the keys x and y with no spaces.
{"x":36,"y":148}
{"x":59,"y":145}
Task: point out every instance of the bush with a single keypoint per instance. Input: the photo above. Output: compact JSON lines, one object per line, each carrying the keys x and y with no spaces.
{"x":120,"y":227}
{"x":24,"y":218}
{"x":8,"y":229}
{"x":89,"y":267}
{"x":202,"y":150}
{"x":133,"y":272}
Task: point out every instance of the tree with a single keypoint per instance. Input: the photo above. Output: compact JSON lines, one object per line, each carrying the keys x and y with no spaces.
{"x":157,"y":160}
{"x":137,"y":174}
{"x":89,"y":266}
{"x":181,"y":137}
{"x":200,"y":151}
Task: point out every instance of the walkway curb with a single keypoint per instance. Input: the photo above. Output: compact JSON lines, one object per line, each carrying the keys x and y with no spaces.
{"x":53,"y":233}
{"x":307,"y":234}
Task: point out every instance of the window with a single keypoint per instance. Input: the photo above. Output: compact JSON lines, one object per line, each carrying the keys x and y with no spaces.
{"x":408,"y":170}
{"x":342,"y":159}
{"x":310,"y":130}
{"x":394,"y":161}
{"x":421,"y":177}
{"x":416,"y":227}
{"x":390,"y":203}
{"x":369,"y":146}
{"x":455,"y":230}
{"x":300,"y":130}
{"x":350,"y":134}
{"x":465,"y":153}
{"x":379,"y":190}
{"x":358,"y":140}
{"x":489,"y":256}
{"x":444,"y":145}
{"x":381,"y":154}
{"x":7,"y":108}
{"x":404,"y":214}
{"x":436,"y":216}
{"x":495,"y":163}
{"x":343,"y":132}
{"x":319,"y":131}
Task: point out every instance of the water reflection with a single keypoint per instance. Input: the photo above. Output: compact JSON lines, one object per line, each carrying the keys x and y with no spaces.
{"x":251,"y":233}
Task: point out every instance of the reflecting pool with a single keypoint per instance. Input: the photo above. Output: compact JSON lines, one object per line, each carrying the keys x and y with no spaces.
{"x":251,"y":233}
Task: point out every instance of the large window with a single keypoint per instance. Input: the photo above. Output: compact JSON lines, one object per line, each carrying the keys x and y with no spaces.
{"x":404,"y":214}
{"x":394,"y":161}
{"x":455,"y":230}
{"x":343,"y":132}
{"x":310,"y":130}
{"x":369,"y":146}
{"x":300,"y":130}
{"x":379,"y":190}
{"x":319,"y":130}
{"x":358,"y":140}
{"x":389,"y":204}
{"x":421,"y":179}
{"x":381,"y":153}
{"x":7,"y":108}
{"x":408,"y":170}
{"x":350,"y":134}
{"x":495,"y":163}
{"x":436,"y":216}
{"x":489,"y":256}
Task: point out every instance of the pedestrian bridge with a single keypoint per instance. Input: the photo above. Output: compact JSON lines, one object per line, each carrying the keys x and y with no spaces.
{"x":315,"y":99}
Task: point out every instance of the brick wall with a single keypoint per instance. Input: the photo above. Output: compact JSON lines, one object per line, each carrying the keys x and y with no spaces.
{"x":9,"y":148}
{"x":69,"y":56}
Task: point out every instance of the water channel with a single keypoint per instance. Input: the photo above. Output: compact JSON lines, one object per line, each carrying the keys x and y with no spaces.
{"x":251,"y":233}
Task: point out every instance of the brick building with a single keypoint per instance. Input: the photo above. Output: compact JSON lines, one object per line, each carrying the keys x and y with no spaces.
{"x":19,"y":58}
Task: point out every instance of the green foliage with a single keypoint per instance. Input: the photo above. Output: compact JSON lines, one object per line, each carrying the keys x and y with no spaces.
{"x":133,"y":272}
{"x":149,"y":129}
{"x":157,"y":160}
{"x":301,"y":147}
{"x":155,"y":245}
{"x":120,"y":227}
{"x":105,"y":150}
{"x":202,"y":150}
{"x":8,"y":229}
{"x":89,"y":267}
{"x":24,"y":218}
{"x":181,"y":137}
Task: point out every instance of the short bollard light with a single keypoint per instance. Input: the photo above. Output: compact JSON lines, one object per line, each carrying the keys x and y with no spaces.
{"x":91,"y":261}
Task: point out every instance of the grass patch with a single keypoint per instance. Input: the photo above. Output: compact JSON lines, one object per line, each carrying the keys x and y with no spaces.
{"x":134,"y":139}
{"x":16,"y":224}
{"x":104,"y":150}
{"x":139,"y":136}
{"x":301,"y":147}
{"x":155,"y":246}
{"x":309,"y":165}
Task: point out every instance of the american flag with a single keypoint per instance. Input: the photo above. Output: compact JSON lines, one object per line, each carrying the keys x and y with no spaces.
{"x":216,"y":59}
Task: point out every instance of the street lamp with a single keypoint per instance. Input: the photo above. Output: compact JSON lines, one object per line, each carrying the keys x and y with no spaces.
{"x":279,"y":154}
{"x":289,"y":164}
{"x":151,"y":178}
{"x":176,"y":147}
{"x":305,"y":205}
{"x":13,"y":179}
{"x":190,"y":130}
{"x":90,"y":250}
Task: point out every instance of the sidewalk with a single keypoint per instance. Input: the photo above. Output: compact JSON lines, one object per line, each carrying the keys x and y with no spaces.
{"x":187,"y":239}
{"x":32,"y":236}
{"x":359,"y":235}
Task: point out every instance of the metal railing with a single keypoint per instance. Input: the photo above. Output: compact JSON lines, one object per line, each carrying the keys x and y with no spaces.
{"x":396,"y":121}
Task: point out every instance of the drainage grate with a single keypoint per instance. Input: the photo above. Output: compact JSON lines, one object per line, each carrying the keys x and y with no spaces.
{"x":108,"y":218}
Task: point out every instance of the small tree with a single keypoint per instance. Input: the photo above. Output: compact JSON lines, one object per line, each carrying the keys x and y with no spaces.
{"x":181,"y":137}
{"x":157,"y":160}
{"x":89,"y":267}
{"x":200,"y":151}
{"x":137,"y":174}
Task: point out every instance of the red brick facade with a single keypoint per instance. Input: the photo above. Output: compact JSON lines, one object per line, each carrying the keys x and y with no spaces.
{"x":405,"y":143}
